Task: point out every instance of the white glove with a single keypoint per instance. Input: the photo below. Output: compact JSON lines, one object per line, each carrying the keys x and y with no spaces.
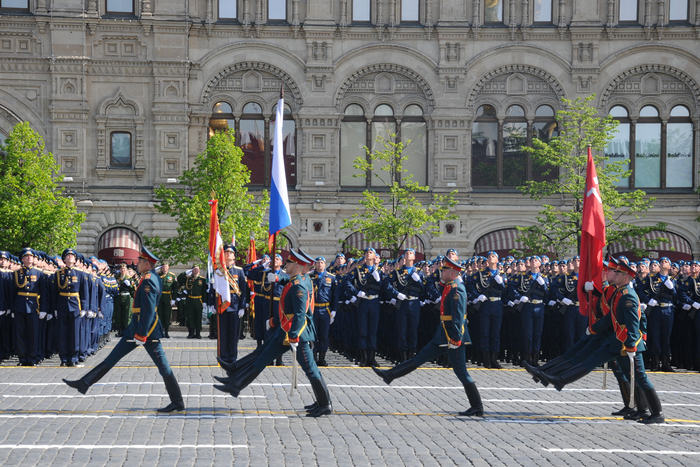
{"x":185,"y":292}
{"x":2,"y":312}
{"x":271,"y":277}
{"x":392,"y":301}
{"x":333,"y":315}
{"x":91,"y":314}
{"x":294,"y":345}
{"x":257,"y":261}
{"x":567,"y":301}
{"x":498,"y":279}
{"x":13,"y":315}
{"x":588,"y":286}
{"x":361,"y":294}
{"x":686,"y":307}
{"x":82,"y":313}
{"x":138,"y":342}
{"x":127,"y":282}
{"x":653,"y":302}
{"x":100,"y":315}
{"x":696,"y":305}
{"x":540,"y":280}
{"x":353,"y":299}
{"x":332,"y":319}
{"x":266,"y":264}
{"x":401,"y":297}
{"x":552,"y":303}
{"x":510,"y":303}
{"x":438,"y":299}
{"x":459,"y":279}
{"x":668,"y":283}
{"x":416,"y":277}
{"x":267,"y":325}
{"x":643,"y":306}
{"x":588,"y":331}
{"x":42,"y":314}
{"x":524,"y":299}
{"x":375,"y":274}
{"x":49,"y":317}
{"x":481,"y":298}
{"x":452,"y":346}
{"x":172,"y":302}
{"x":241,"y":312}
{"x":632,"y":354}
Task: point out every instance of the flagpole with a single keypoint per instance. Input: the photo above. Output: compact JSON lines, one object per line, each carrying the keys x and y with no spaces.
{"x":218,"y":326}
{"x":272,"y":259}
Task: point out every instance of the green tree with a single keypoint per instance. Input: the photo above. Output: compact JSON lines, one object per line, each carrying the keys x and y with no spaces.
{"x":219,"y":171}
{"x":33,"y":210}
{"x":561,"y":164}
{"x":401,"y":208}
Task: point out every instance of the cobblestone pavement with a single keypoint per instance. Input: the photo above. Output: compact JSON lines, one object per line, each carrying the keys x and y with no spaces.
{"x":413,"y":422}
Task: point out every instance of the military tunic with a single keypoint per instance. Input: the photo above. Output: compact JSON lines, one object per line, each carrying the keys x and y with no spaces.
{"x":165,"y":309}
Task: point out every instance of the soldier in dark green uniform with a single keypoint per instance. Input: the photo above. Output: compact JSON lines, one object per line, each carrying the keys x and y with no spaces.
{"x":195,"y":286}
{"x":122,"y":301}
{"x":167,"y":300}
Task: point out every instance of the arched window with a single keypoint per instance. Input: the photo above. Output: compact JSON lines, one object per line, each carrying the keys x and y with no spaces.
{"x":661,"y":152}
{"x":514,"y":138}
{"x":384,"y":125}
{"x":544,"y":128}
{"x":414,"y":129}
{"x":252,"y":131}
{"x":493,"y":11}
{"x":485,"y":147}
{"x":353,"y":139}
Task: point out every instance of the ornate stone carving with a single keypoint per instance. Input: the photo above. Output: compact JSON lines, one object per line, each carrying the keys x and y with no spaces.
{"x":414,"y":84}
{"x":635,"y":81}
{"x":542,"y":82}
{"x":226,"y":79}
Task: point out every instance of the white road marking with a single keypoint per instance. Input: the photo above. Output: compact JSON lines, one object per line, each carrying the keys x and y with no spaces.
{"x":140,"y":417}
{"x":70,"y":396}
{"x":123,"y":446}
{"x":626,"y":451}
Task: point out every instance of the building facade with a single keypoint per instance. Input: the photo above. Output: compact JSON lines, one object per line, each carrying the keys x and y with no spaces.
{"x":126,"y":92}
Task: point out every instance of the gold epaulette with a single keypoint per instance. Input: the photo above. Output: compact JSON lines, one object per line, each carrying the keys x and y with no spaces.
{"x":147,"y":276}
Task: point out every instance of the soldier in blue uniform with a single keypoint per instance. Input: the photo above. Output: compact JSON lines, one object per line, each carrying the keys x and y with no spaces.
{"x":269,"y":290}
{"x":450,"y":337}
{"x":26,"y":290}
{"x":325,"y":307}
{"x":530,"y":290}
{"x":661,"y":304}
{"x":295,"y":331}
{"x":71,"y":296}
{"x":5,"y":315}
{"x":488,"y":287}
{"x":230,"y":319}
{"x":144,"y":329}
{"x":575,"y":323}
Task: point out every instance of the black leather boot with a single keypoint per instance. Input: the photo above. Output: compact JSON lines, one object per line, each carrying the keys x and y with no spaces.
{"x":654,"y":363}
{"x":363,"y":358}
{"x":323,"y":399}
{"x":242,"y":379}
{"x":371,"y":360}
{"x":176,"y":402}
{"x":666,"y":365}
{"x":197,"y":334}
{"x":486,"y":357}
{"x":476,"y":408}
{"x":642,"y":407}
{"x":657,"y":416}
{"x":190,"y":333}
{"x":279,"y":362}
{"x":494,"y":361}
{"x":93,"y":376}
{"x":398,"y":371}
{"x":545,"y":377}
{"x":167,"y":336}
{"x":569,"y":376}
{"x":322,"y":359}
{"x":625,"y":392}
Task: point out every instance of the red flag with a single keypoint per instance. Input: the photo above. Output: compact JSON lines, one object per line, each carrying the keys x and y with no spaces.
{"x":216,"y":251}
{"x":592,"y":240}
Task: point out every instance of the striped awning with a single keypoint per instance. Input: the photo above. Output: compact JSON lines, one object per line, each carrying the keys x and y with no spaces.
{"x":358,"y":241}
{"x":676,"y":244}
{"x":120,"y":238}
{"x":500,"y":241}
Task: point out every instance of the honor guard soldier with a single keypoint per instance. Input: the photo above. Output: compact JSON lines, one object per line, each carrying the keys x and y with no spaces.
{"x":230,"y":319}
{"x":364,"y":287}
{"x":167,"y":299}
{"x":575,"y":323}
{"x":122,"y":302}
{"x":195,"y":286}
{"x":144,"y":330}
{"x":5,"y":318}
{"x":406,"y":288}
{"x":71,"y":296}
{"x":488,"y":286}
{"x":296,"y":330}
{"x":661,"y":305}
{"x":272,"y":281}
{"x":26,"y":290}
{"x":530,"y":289}
{"x":450,"y":337}
{"x":325,"y":305}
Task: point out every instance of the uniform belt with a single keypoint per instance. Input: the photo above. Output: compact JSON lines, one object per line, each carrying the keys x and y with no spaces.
{"x":168,"y":292}
{"x":576,"y":303}
{"x":69,"y":294}
{"x":196,"y":297}
{"x":28,"y":294}
{"x":370,"y":297}
{"x":665,"y":304}
{"x":267,"y":297}
{"x":321,"y":305}
{"x":124,"y":293}
{"x":445,"y":318}
{"x":494,"y":299}
{"x":412,"y":298}
{"x":136,"y":310}
{"x":536,"y":302}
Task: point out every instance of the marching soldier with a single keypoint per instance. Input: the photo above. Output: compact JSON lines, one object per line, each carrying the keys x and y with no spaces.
{"x":325,"y":306}
{"x":195,"y":286}
{"x":167,"y":299}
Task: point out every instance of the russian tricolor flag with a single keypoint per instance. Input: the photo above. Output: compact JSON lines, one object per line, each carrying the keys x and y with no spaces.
{"x":280,"y":215}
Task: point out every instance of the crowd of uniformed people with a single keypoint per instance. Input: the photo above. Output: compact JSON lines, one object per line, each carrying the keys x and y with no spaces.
{"x":519,"y":310}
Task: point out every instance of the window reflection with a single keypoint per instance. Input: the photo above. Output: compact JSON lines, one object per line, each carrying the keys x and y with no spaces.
{"x":360,"y":10}
{"x":543,"y":11}
{"x":493,"y":11}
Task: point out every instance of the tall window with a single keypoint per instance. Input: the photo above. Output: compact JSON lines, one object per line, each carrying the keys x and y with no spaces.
{"x":543,"y":11}
{"x":628,"y":11}
{"x":409,"y":10}
{"x":120,"y":7}
{"x":277,"y":10}
{"x":120,"y":154}
{"x":662,"y":153}
{"x":17,"y":5}
{"x":498,"y":160}
{"x":678,"y":10}
{"x":228,"y":9}
{"x":493,"y":11}
{"x":360,"y":10}
{"x":354,"y":137}
{"x":252,"y":133}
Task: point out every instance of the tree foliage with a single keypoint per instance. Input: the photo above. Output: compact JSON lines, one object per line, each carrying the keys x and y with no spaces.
{"x":33,"y":210}
{"x":561,"y":164}
{"x":391,"y":215}
{"x":218,"y":171}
